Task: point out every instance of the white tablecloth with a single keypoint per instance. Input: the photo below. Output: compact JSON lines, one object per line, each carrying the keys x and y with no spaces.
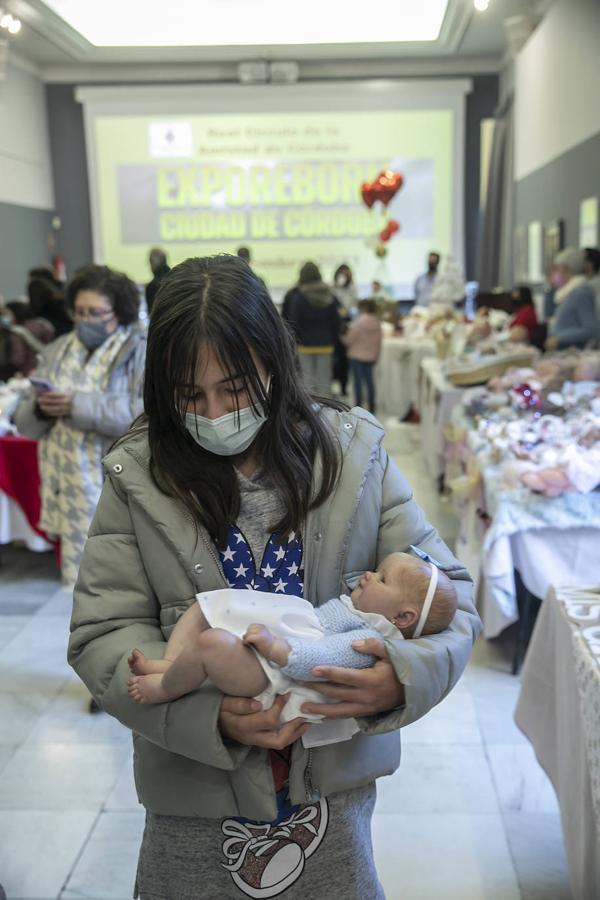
{"x":542,"y":557}
{"x":397,"y":374}
{"x":558,"y":710}
{"x":547,"y":540}
{"x":437,"y":399}
{"x":15,"y":527}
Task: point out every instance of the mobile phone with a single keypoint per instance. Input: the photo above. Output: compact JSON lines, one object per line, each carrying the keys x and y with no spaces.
{"x":40,"y":385}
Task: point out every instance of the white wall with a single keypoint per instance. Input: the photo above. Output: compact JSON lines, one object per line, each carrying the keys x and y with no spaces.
{"x":557,"y":77}
{"x":25,"y":172}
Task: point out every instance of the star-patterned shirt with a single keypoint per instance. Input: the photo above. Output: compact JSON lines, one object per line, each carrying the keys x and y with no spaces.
{"x":280,"y":569}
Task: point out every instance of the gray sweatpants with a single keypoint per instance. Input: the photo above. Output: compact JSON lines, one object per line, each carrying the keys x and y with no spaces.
{"x":317,"y":372}
{"x":323,"y":850}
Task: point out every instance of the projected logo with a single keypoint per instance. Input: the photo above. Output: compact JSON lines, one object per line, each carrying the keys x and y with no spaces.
{"x":170,"y":139}
{"x":260,"y":200}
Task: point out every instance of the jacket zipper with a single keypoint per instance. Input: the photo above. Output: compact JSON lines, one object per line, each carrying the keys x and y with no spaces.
{"x":209,"y":546}
{"x":311,"y":794}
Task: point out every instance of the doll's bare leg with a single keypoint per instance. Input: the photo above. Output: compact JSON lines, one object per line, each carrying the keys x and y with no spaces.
{"x":231,"y":665}
{"x":186,"y":630}
{"x":215,"y":654}
{"x":275,"y":649}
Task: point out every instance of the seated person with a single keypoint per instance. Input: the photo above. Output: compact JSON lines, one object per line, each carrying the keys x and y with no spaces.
{"x":22,"y":316}
{"x":406,"y":594}
{"x":575,"y":322}
{"x":19,"y":347}
{"x":523,"y":324}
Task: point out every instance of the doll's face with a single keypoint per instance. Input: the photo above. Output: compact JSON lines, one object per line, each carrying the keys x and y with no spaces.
{"x":385,"y":590}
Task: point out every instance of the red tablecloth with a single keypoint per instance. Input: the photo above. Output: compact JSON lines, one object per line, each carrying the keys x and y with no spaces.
{"x":20,"y":477}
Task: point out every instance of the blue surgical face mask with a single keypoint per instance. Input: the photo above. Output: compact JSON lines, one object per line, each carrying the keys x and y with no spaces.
{"x":229,"y":434}
{"x":91,"y":334}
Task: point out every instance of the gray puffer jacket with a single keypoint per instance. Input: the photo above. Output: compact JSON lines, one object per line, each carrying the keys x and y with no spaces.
{"x":109,"y":413}
{"x":143,"y":563}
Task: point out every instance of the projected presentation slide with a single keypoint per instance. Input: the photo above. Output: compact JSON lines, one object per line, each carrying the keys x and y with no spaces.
{"x":288,"y":186}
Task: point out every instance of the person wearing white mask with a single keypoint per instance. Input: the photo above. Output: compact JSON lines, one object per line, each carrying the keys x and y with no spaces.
{"x":344,"y":287}
{"x":575,"y":321}
{"x":591,"y":266}
{"x":86,"y":391}
{"x":237,"y":476}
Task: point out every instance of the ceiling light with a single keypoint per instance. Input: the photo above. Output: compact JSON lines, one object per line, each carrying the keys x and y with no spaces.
{"x":481,"y":5}
{"x":215,"y":23}
{"x":9,"y":22}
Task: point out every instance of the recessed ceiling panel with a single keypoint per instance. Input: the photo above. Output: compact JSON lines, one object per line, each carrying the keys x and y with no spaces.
{"x":214,"y":23}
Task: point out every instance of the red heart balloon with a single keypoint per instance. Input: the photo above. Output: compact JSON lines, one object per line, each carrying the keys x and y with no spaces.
{"x":389,"y":231}
{"x":367,"y":192}
{"x":389,"y":184}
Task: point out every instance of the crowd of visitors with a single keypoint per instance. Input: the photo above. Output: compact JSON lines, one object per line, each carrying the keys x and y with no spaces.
{"x":85,"y":347}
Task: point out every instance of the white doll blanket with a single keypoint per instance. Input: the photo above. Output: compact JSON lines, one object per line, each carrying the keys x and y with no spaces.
{"x":285,"y":616}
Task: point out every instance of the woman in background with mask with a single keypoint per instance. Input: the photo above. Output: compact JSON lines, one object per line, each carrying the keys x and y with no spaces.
{"x":574,"y":322}
{"x":236,"y":477}
{"x":86,"y":392}
{"x":345,"y":290}
{"x":344,"y":287}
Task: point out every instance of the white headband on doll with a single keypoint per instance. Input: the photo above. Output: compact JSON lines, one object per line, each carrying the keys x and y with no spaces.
{"x":427,"y":602}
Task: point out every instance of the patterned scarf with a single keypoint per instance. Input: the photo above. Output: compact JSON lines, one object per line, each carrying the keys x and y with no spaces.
{"x":70,"y":459}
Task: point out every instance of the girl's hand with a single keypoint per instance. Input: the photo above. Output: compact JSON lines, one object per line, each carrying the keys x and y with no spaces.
{"x":359,"y":692}
{"x":241,"y":719}
{"x":55,"y":404}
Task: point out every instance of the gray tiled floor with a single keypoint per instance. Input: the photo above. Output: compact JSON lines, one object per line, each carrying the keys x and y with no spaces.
{"x":469,"y":815}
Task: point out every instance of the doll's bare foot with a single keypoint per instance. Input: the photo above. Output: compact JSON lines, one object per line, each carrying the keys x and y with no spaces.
{"x":147,"y":689}
{"x":141,"y":665}
{"x":274,"y":649}
{"x":534,"y":481}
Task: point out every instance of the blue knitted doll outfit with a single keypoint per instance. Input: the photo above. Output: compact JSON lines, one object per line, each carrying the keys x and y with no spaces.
{"x":341,"y":628}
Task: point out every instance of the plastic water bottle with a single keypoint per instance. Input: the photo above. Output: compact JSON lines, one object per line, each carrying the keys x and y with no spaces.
{"x":471,"y":289}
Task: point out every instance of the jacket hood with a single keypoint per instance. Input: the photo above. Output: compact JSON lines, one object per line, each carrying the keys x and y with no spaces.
{"x":317,"y":293}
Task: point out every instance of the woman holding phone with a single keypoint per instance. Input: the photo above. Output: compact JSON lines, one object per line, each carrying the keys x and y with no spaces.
{"x":86,"y":392}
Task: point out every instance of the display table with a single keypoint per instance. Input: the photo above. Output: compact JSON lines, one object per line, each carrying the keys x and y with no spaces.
{"x":437,"y":400}
{"x":397,"y":373}
{"x":558,"y":710}
{"x":20,"y":493}
{"x":543,"y":539}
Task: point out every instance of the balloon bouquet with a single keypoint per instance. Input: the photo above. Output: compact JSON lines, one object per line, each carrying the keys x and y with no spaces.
{"x":382,"y":190}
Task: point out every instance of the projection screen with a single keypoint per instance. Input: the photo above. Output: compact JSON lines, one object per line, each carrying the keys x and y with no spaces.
{"x":203,"y":170}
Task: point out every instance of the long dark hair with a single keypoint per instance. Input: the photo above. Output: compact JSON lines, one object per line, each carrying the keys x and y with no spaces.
{"x":344,"y":269}
{"x":522,"y":296}
{"x":218,"y":302}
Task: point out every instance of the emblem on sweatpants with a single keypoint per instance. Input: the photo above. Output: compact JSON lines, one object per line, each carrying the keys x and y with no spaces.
{"x":264,"y":860}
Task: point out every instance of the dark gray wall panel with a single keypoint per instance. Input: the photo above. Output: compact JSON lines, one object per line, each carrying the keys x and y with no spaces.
{"x":24,"y":234}
{"x":69,"y":170}
{"x":481,"y":104}
{"x":555,"y":190}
